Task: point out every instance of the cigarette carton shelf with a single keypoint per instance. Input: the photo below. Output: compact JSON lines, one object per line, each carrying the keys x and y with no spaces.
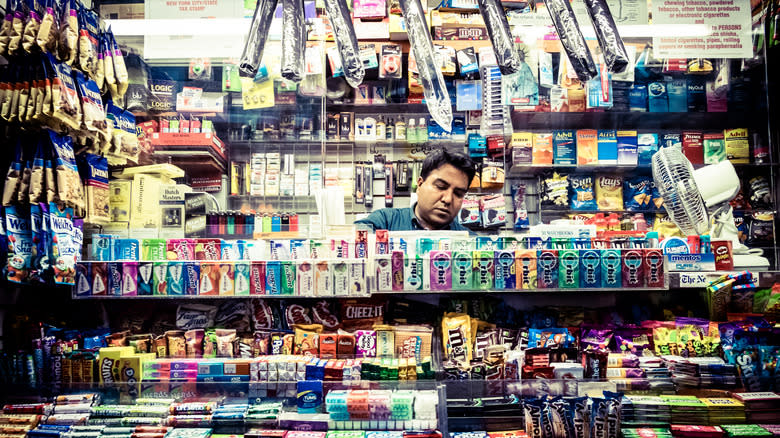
{"x":633,"y":120}
{"x":525,"y":170}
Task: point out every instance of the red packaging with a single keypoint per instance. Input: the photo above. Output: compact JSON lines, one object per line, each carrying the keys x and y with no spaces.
{"x":693,"y":146}
{"x":329,"y":345}
{"x":209,"y":279}
{"x":724,"y":259}
{"x":346,"y":346}
{"x":208,"y":249}
{"x":257,"y":278}
{"x":631,"y":269}
{"x":654,"y":268}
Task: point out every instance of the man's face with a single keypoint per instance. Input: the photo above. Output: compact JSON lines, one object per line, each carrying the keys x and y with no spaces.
{"x":440,"y":196}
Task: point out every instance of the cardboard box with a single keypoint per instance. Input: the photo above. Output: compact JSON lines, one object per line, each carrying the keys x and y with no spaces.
{"x":122,"y":11}
{"x":120,"y":194}
{"x":145,"y":199}
{"x":172,"y":210}
{"x":109,"y":360}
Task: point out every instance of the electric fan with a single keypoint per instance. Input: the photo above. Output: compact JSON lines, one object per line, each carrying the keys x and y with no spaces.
{"x":698,"y":200}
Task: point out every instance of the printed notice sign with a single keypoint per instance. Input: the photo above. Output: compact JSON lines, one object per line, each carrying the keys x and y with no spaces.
{"x":727,"y":22}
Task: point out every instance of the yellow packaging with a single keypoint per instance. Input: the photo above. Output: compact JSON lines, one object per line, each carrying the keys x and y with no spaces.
{"x":522,"y":147}
{"x":577,"y":100}
{"x":307,"y":339}
{"x":120,"y":193}
{"x":130,"y":370}
{"x":587,"y":147}
{"x":456,"y":333}
{"x":109,"y":359}
{"x":385,"y":341}
{"x":737,"y":146}
{"x":145,"y":203}
{"x":609,"y":192}
{"x":542,"y":148}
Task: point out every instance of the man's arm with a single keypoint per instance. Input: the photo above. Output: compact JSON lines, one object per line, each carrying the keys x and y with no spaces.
{"x":377,"y":220}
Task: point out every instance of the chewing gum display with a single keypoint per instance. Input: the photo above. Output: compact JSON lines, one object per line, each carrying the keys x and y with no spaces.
{"x":159,"y":278}
{"x":505,"y":270}
{"x":590,"y":268}
{"x":288,"y":278}
{"x":323,"y":278}
{"x":413,"y":270}
{"x":209,"y":279}
{"x":145,"y":277}
{"x":632,"y":270}
{"x":114,"y":278}
{"x":611,"y":268}
{"x":569,"y":269}
{"x":176,"y":281}
{"x":462,"y":271}
{"x":384,"y":274}
{"x":441,"y":270}
{"x":305,"y":278}
{"x":654,"y":268}
{"x":191,"y":278}
{"x":526,"y":267}
{"x":484,"y":269}
{"x":547,"y":269}
{"x":257,"y":278}
{"x":273,"y":278}
{"x":100,"y":278}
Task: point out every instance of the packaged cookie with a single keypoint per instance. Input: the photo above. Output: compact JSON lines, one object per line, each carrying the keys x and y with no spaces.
{"x":63,"y":243}
{"x":307,"y":339}
{"x":67,"y":47}
{"x":582,"y":197}
{"x":68,"y":180}
{"x":555,"y":191}
{"x":49,"y":28}
{"x":225,"y":339}
{"x":177,"y":343}
{"x":95,"y":170}
{"x":32,"y":26}
{"x":609,"y":192}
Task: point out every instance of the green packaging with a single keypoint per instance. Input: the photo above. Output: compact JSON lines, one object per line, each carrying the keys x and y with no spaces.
{"x":569,"y":269}
{"x":413,"y":270}
{"x":484,"y":269}
{"x":288,"y":278}
{"x":153,"y":250}
{"x":462,"y":272}
{"x":714,"y":148}
{"x":241,"y":278}
{"x":159,"y":278}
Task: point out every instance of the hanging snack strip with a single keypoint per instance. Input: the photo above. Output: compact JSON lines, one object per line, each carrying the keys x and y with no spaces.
{"x":346,"y":41}
{"x":571,"y":38}
{"x":436,"y":96}
{"x":606,"y":31}
{"x":255,"y":41}
{"x":498,"y":29}
{"x":293,"y":39}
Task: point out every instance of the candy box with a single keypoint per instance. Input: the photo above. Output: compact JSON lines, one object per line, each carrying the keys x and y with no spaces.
{"x":483,"y":269}
{"x":384,"y":274}
{"x":441,"y":270}
{"x":505,"y":270}
{"x":102,"y":249}
{"x":569,"y":272}
{"x":127,"y":249}
{"x":526,"y":267}
{"x":632,"y":271}
{"x":180,"y":249}
{"x":365,"y":343}
{"x":305,"y":281}
{"x":208,"y":249}
{"x":340,"y":279}
{"x":109,"y":362}
{"x":323,"y":278}
{"x":611,"y":266}
{"x":547,"y":269}
{"x":590,"y":268}
{"x":462,"y":272}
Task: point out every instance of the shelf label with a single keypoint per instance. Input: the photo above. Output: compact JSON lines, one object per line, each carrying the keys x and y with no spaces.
{"x":725,"y":29}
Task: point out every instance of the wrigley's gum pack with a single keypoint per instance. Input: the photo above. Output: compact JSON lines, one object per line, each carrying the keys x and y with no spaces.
{"x":413,"y":272}
{"x":654,"y":268}
{"x":159,"y":278}
{"x":397,"y":267}
{"x":226,"y":279}
{"x":241,"y":278}
{"x":525,"y":265}
{"x":114,"y":278}
{"x":323,"y":278}
{"x":305,"y":281}
{"x":632,"y":270}
{"x":257,"y":278}
{"x":154,"y":249}
{"x":611,"y":263}
{"x":569,"y":269}
{"x":340,"y":270}
{"x":145,"y":277}
{"x":505,"y":273}
{"x":191,"y":278}
{"x":288,"y":278}
{"x":441,"y":270}
{"x":590,"y":268}
{"x":484,"y":269}
{"x":462,"y":272}
{"x":129,"y":278}
{"x":175,"y":278}
{"x":273,"y":278}
{"x":547,"y":268}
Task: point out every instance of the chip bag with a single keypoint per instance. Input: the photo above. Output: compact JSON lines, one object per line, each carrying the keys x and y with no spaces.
{"x":609,"y":193}
{"x":582,"y":197}
{"x":637,"y":193}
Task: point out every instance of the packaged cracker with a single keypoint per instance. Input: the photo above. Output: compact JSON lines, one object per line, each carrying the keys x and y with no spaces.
{"x":638,"y":193}
{"x":67,"y":48}
{"x":456,"y":332}
{"x":64,"y":250}
{"x":32,"y":26}
{"x":95,"y":169}
{"x":582,"y":197}
{"x":20,"y":243}
{"x":555,"y":191}
{"x":68,"y":181}
{"x":13,"y":178}
{"x":46,"y":39}
{"x":88,"y":32}
{"x":361,"y":313}
{"x":609,"y":192}
{"x":17,"y":27}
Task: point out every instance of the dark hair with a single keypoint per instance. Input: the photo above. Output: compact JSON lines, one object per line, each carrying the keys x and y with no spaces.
{"x":440,"y":157}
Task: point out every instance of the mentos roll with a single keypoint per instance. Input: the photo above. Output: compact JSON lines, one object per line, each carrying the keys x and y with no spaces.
{"x":505,"y":270}
{"x":568,"y":269}
{"x":462,"y":271}
{"x":590,"y":268}
{"x":654,"y":268}
{"x":611,"y":263}
{"x":547,"y":268}
{"x":527,"y":277}
{"x":632,"y":270}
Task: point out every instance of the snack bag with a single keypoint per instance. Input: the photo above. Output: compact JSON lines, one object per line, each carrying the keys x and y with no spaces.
{"x":88,"y":48}
{"x":69,"y":32}
{"x":94,"y":115}
{"x":31,"y":27}
{"x":120,"y":71}
{"x":96,"y":180}
{"x":555,"y":191}
{"x":17,"y":27}
{"x":456,"y":331}
{"x":108,"y":65}
{"x":5,"y":28}
{"x":582,"y":197}
{"x":13,"y":178}
{"x":609,"y":193}
{"x":63,"y":244}
{"x":66,"y":107}
{"x":47,"y":33}
{"x":637,"y":193}
{"x":521,"y":211}
{"x":20,"y":243}
{"x":68,"y":181}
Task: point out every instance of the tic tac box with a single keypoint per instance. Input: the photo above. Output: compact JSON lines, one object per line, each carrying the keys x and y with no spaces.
{"x":564,"y":147}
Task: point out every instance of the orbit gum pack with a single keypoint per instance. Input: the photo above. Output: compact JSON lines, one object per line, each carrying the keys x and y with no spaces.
{"x":462,"y":272}
{"x":590,"y":268}
{"x":505,"y":270}
{"x":483,"y":269}
{"x":611,"y":268}
{"x":569,"y":269}
{"x":441,"y":270}
{"x":632,"y":271}
{"x":547,"y":269}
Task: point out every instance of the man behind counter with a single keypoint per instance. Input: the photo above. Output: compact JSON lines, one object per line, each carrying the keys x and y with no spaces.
{"x":444,"y":180}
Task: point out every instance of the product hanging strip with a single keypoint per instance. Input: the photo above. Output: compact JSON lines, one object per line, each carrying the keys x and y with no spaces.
{"x":436,"y":96}
{"x":500,"y":35}
{"x":573,"y":42}
{"x":255,"y":41}
{"x":293,"y":39}
{"x":609,"y":40}
{"x":346,"y":41}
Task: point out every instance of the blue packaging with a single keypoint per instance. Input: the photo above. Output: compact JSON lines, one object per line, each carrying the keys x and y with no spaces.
{"x":627,"y":148}
{"x":647,"y":145}
{"x":273,"y":278}
{"x":505,"y":270}
{"x":468,"y":95}
{"x":611,"y":264}
{"x":102,"y":249}
{"x":590,"y":268}
{"x":677,"y":91}
{"x":127,"y":249}
{"x":697,"y":94}
{"x":565,"y":147}
{"x":145,"y":275}
{"x":83,"y":279}
{"x":210,"y":369}
{"x":657,"y":97}
{"x":607,"y":145}
{"x":191,"y":278}
{"x":175,"y":278}
{"x":671,"y":140}
{"x":309,"y":397}
{"x":114,"y":278}
{"x":489,"y":243}
{"x":637,"y":98}
{"x":230,"y":250}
